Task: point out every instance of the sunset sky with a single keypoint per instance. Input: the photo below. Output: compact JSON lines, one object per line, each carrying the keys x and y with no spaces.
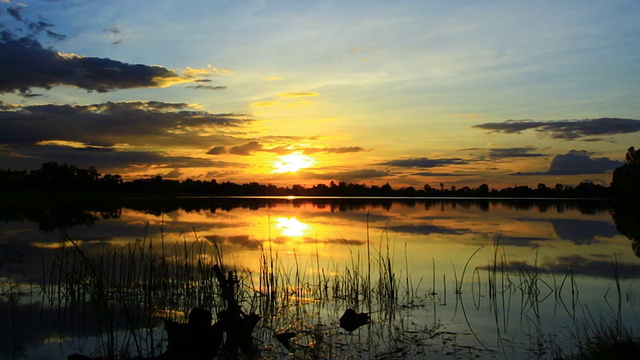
{"x":299,"y":92}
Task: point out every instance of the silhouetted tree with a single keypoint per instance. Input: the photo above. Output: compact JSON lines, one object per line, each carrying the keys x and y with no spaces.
{"x":483,"y":190}
{"x":386,"y":190}
{"x":70,"y":178}
{"x":625,"y":216}
{"x":625,"y":183}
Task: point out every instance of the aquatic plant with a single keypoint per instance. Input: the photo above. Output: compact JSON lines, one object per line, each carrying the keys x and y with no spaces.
{"x":130,"y":289}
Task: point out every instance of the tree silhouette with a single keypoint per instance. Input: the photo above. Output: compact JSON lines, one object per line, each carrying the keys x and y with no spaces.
{"x":60,"y":179}
{"x":625,"y":183}
{"x":625,"y":186}
{"x":627,"y":219}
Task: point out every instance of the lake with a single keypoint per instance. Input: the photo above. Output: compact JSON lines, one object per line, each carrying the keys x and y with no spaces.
{"x":439,"y":278}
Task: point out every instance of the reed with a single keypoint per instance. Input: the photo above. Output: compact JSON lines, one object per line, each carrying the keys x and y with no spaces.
{"x":603,"y":339}
{"x":132,"y":288}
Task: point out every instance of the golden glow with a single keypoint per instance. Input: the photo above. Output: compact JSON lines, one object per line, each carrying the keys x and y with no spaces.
{"x":72,"y":144}
{"x":54,"y":339}
{"x":291,"y":226}
{"x":298,"y":94}
{"x":264,"y":103}
{"x":204,"y":72}
{"x":54,"y":245}
{"x":292,"y":162}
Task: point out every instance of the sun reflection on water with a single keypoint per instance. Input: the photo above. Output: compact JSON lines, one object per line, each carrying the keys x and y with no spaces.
{"x":290,"y":226}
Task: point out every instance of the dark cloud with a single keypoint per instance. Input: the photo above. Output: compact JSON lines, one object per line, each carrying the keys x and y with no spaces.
{"x":33,"y":28}
{"x":582,"y":232}
{"x":496,"y":154}
{"x":217,"y":150}
{"x":339,"y":241}
{"x":566,"y":129}
{"x":515,"y":152}
{"x":104,"y":159}
{"x":15,"y":12}
{"x":207,"y":87}
{"x":111,"y":123}
{"x":26,"y":64}
{"x":577,"y":265}
{"x":429,"y":173}
{"x":109,"y":134}
{"x":577,"y":162}
{"x":423,"y":162}
{"x":352,"y":176}
{"x":253,"y":146}
{"x":173,"y":174}
{"x":246,"y":149}
{"x":338,"y":150}
{"x":526,"y":241}
{"x":428,"y":230}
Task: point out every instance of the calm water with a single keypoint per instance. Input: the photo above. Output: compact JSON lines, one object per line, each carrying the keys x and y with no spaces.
{"x":529,"y":274}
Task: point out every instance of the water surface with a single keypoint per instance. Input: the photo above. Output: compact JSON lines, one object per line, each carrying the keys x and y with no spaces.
{"x":505,"y":278}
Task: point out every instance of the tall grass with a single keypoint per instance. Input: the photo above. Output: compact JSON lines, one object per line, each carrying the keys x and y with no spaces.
{"x":130,"y":289}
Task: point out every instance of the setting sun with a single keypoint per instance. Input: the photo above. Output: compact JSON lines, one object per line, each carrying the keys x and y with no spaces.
{"x":292,"y":162}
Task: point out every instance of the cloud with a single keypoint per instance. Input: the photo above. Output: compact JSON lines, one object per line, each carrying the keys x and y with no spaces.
{"x":253,"y":146}
{"x":582,"y":232}
{"x":428,"y":230}
{"x":515,"y":152}
{"x":110,"y":134}
{"x":439,"y":174}
{"x":104,"y":159}
{"x":338,"y":150}
{"x":493,"y":154}
{"x":31,"y":157}
{"x":25,"y":64}
{"x":15,"y":12}
{"x":173,"y":174}
{"x":135,"y":122}
{"x":32,"y":28}
{"x":207,"y":87}
{"x":577,"y":162}
{"x":565,"y":129}
{"x":578,"y":265}
{"x":353,"y":176}
{"x":115,"y":35}
{"x":217,"y":150}
{"x":246,"y":149}
{"x":207,"y":71}
{"x":423,"y":162}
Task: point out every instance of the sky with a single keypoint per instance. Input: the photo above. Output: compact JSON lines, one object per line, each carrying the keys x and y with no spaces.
{"x":297,"y":92}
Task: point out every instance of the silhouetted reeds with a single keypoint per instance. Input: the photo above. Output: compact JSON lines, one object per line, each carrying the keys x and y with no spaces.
{"x":130,"y":289}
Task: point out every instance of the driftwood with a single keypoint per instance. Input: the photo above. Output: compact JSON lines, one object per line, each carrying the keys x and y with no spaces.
{"x":198,"y":339}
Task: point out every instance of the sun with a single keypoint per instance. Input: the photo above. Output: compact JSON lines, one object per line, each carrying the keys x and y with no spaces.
{"x":292,"y":162}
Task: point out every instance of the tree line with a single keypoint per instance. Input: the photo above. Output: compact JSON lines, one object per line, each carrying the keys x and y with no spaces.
{"x":55,"y":177}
